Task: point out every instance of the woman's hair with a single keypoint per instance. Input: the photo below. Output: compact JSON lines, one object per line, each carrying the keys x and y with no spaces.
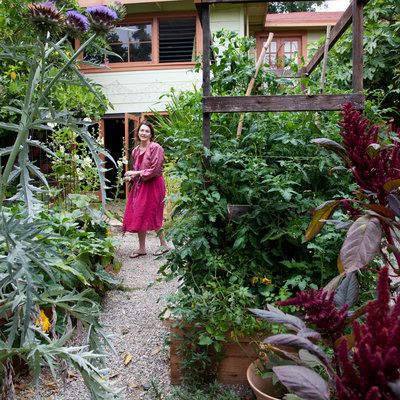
{"x":148,"y":124}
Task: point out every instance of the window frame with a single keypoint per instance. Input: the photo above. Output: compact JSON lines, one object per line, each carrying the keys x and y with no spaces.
{"x":152,"y":18}
{"x":281,"y":35}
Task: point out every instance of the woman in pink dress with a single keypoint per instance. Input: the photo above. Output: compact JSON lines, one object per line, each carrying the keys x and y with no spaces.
{"x":145,"y":206}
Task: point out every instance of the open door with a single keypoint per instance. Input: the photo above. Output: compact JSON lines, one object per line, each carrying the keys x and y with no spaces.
{"x":131,"y":124}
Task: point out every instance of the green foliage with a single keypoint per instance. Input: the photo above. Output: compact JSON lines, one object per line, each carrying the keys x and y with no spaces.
{"x":208,"y":320}
{"x":273,"y":170}
{"x":73,"y":169}
{"x":212,"y":391}
{"x":54,"y":263}
{"x":381,"y":63}
{"x":292,"y":6}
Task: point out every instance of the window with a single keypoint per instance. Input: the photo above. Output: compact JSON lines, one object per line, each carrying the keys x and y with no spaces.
{"x":281,"y":50}
{"x":158,"y":40}
{"x":177,"y":40}
{"x":131,"y":42}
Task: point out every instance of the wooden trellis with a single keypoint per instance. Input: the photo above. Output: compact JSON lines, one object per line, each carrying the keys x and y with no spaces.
{"x":319,"y":102}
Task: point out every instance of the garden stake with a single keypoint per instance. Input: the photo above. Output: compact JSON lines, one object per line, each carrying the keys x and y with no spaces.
{"x":325,"y":60}
{"x":253,"y":80}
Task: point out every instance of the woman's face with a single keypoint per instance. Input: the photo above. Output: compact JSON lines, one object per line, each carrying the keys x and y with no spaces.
{"x":144,"y":133}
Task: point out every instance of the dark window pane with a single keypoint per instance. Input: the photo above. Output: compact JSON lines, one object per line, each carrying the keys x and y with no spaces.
{"x":140,"y":33}
{"x":140,"y":52}
{"x":177,"y":39}
{"x":131,"y":42}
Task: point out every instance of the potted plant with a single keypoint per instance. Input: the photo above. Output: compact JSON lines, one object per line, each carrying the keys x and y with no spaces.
{"x":342,"y":352}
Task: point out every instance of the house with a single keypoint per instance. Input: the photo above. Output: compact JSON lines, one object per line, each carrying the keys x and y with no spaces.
{"x":293,"y":33}
{"x":158,"y":43}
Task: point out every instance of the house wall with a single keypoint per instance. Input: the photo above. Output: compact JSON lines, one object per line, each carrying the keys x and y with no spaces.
{"x":228,"y":16}
{"x":314,"y":35}
{"x":139,"y":91}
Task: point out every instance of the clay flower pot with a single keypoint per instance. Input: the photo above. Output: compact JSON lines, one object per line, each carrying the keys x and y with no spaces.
{"x":262,"y":388}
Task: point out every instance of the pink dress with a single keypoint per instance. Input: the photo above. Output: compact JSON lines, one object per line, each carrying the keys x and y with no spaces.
{"x":145,"y":206}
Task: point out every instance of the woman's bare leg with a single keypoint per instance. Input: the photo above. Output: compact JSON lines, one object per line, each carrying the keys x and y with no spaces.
{"x":161,"y":236}
{"x":142,"y":242}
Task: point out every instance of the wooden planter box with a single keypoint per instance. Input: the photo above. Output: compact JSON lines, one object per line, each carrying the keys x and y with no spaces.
{"x":232,"y":368}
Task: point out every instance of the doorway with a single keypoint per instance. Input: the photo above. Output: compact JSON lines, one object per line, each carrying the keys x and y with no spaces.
{"x":118,"y":133}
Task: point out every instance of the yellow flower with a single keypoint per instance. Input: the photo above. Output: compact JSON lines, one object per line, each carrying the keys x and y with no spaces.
{"x":254,"y":280}
{"x":44,"y":322}
{"x":266,"y":281}
{"x":13,"y":75}
{"x":108,"y":232}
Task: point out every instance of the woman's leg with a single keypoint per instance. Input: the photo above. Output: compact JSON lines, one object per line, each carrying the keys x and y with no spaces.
{"x":161,"y":236}
{"x":142,"y":242}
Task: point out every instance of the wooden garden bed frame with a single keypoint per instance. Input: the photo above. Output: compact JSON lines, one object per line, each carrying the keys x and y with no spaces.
{"x":321,"y":102}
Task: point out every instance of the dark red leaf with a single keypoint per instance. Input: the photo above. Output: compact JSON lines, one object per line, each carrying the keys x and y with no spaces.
{"x":303,"y":382}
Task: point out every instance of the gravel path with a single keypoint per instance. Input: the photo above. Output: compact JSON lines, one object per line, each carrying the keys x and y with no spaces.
{"x":131,"y":315}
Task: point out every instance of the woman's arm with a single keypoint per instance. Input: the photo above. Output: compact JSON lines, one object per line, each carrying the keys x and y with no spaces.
{"x":156,"y":163}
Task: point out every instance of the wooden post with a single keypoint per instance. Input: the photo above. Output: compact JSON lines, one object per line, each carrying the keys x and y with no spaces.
{"x":357,"y":45}
{"x":205,"y":20}
{"x":260,"y":61}
{"x":325,"y":60}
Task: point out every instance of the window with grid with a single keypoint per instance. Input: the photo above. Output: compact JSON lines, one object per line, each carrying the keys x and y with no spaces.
{"x":132,"y":43}
{"x":281,"y":50}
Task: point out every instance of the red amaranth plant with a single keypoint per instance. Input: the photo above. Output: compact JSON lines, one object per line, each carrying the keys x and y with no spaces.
{"x":374,"y":160}
{"x":369,"y":369}
{"x":319,"y":309}
{"x":372,"y":163}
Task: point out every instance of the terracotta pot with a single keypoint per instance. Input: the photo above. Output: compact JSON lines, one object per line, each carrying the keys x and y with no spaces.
{"x":262,"y":388}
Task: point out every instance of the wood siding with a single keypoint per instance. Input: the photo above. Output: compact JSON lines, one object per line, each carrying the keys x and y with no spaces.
{"x":139,"y":91}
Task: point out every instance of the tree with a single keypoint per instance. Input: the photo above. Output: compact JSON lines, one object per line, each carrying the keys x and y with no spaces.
{"x":277,"y":8}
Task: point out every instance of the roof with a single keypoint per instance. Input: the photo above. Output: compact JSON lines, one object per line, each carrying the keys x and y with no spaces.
{"x":303,"y":19}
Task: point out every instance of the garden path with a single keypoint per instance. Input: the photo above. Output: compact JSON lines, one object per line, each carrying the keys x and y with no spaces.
{"x":130,"y":313}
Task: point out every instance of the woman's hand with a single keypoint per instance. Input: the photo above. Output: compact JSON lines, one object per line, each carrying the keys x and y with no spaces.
{"x":130,"y":175}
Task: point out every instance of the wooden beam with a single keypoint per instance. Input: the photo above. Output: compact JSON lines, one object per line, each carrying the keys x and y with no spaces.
{"x":336,"y":32}
{"x":319,"y":102}
{"x":205,"y":18}
{"x":357,"y":55}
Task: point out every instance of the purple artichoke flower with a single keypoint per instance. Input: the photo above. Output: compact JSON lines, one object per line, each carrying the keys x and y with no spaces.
{"x":76,"y":23}
{"x":102,"y":18}
{"x":45,"y":16}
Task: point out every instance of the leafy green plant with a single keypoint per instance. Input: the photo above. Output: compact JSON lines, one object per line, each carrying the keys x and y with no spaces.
{"x":34,"y":111}
{"x":208,"y":320}
{"x":52,"y":262}
{"x":44,"y":294}
{"x":210,"y":392}
{"x":274,"y":171}
{"x":72,"y":166}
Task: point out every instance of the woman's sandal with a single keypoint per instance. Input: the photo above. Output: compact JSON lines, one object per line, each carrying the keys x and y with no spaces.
{"x":135,"y":254}
{"x":161,"y":250}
